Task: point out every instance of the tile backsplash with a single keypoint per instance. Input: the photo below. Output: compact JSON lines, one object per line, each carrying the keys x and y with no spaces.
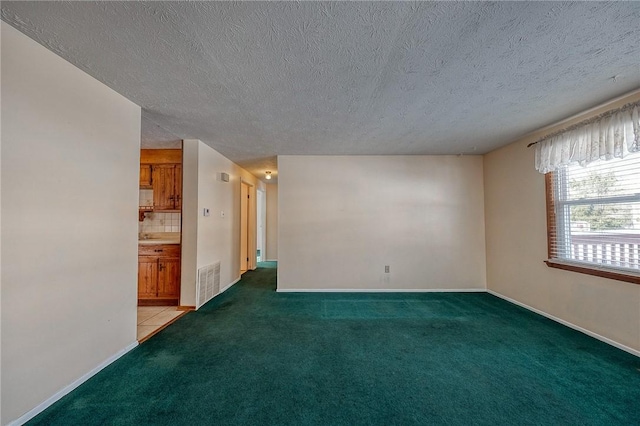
{"x":146,"y":197}
{"x":160,"y":222}
{"x":157,"y":221}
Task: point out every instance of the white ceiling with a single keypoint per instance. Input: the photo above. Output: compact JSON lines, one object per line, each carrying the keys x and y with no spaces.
{"x":255,"y":80}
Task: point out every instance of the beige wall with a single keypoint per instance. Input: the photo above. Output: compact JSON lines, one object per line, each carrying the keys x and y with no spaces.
{"x":0,"y":240}
{"x":70,"y":153}
{"x":343,"y":218}
{"x":272,"y":222}
{"x":212,"y":238}
{"x":515,"y":212}
{"x":189,"y":260}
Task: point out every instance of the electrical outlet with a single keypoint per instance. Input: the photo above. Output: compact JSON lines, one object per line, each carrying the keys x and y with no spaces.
{"x":386,"y":269}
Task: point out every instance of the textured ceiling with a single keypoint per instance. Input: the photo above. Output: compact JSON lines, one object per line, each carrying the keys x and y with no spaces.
{"x":257,"y":79}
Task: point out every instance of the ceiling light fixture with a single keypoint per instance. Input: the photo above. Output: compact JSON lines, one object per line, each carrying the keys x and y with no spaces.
{"x":267,"y":175}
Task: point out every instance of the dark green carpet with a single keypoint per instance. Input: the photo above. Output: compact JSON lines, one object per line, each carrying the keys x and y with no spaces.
{"x":256,"y":357}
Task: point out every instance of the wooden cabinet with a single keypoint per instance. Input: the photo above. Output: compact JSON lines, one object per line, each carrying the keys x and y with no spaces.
{"x":161,"y":170}
{"x":158,"y":274}
{"x":145,"y":176}
{"x":167,"y":186}
{"x":168,"y":277}
{"x":177,"y":186}
{"x":147,"y":277}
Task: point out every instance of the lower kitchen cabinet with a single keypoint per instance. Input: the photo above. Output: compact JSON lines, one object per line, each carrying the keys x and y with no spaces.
{"x":168,"y":277}
{"x":147,"y":277}
{"x":158,"y":274}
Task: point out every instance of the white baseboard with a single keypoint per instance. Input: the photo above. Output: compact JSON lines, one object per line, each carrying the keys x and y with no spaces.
{"x":381,"y":290}
{"x":568,"y":324}
{"x":229,"y":286}
{"x":62,"y":392}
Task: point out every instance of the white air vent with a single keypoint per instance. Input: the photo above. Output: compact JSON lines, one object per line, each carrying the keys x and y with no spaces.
{"x":208,"y":285}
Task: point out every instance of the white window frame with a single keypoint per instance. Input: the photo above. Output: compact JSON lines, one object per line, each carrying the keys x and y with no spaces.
{"x":555,"y":182}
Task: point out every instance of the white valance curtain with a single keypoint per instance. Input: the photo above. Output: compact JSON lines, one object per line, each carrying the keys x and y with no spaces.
{"x":610,"y":135}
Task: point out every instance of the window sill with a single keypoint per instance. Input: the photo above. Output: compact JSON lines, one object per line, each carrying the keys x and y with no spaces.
{"x":598,"y":272}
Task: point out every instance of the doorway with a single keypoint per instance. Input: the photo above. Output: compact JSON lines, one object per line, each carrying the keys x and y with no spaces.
{"x":261,"y":225}
{"x":159,"y":239}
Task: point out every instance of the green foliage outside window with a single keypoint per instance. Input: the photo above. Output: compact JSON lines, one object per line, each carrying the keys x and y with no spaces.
{"x":599,"y":216}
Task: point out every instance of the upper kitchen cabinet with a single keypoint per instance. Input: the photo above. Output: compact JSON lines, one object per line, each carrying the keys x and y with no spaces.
{"x":161,"y":170}
{"x":167,"y":187}
{"x":177,"y":182}
{"x":145,"y":176}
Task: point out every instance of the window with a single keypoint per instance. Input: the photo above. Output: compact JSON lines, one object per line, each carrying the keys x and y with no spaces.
{"x":593,"y":218}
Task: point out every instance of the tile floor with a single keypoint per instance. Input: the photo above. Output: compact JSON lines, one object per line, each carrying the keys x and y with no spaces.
{"x":152,"y":318}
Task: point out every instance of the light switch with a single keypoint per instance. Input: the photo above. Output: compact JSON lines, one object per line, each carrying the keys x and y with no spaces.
{"x":222,"y":213}
{"x":206,"y":212}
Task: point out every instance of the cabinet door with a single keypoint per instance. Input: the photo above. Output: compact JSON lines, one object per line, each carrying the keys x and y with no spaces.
{"x":177,"y":186}
{"x":147,"y":277}
{"x":169,"y":277}
{"x":163,"y":197}
{"x":145,"y":176}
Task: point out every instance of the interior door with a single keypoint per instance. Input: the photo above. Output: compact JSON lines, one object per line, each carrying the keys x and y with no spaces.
{"x":244,"y":228}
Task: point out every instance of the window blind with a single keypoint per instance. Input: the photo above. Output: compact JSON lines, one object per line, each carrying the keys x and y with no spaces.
{"x":594,"y":214}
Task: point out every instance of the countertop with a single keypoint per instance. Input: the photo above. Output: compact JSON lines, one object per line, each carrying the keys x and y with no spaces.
{"x":159,"y":238}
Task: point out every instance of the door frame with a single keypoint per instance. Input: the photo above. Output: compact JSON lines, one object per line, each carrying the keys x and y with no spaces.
{"x":250,"y":224}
